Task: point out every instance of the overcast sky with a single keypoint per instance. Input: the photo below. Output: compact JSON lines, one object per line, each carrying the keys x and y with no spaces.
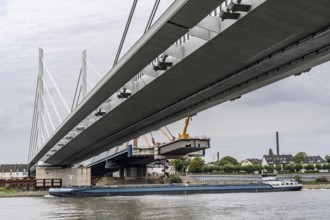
{"x":297,"y":107}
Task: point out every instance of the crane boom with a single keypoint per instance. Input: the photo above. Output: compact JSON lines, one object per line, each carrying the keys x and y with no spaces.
{"x":146,"y":140}
{"x":166,"y":135}
{"x":184,"y":134}
{"x":135,"y":143}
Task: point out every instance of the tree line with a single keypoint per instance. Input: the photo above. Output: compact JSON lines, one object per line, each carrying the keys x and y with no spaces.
{"x":230,"y":165}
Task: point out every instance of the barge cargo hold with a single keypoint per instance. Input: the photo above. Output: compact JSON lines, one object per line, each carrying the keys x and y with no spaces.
{"x":168,"y":190}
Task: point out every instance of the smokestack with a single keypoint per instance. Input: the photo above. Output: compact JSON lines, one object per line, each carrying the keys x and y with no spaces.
{"x":277,"y":144}
{"x":218,"y":156}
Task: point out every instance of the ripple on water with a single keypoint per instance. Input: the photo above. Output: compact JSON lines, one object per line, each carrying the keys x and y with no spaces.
{"x":306,"y":204}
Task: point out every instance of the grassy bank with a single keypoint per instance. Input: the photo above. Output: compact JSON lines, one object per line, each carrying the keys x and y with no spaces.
{"x":10,"y":192}
{"x":316,"y":185}
{"x":24,"y":194}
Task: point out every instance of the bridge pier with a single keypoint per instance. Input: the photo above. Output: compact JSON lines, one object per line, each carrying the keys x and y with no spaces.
{"x":73,"y":176}
{"x":125,"y":174}
{"x":122,"y":173}
{"x":136,"y":172}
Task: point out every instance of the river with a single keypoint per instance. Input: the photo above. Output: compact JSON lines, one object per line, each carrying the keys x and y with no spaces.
{"x":306,"y":204}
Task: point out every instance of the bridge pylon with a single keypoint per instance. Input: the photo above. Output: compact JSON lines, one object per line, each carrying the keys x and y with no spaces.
{"x":37,"y":137}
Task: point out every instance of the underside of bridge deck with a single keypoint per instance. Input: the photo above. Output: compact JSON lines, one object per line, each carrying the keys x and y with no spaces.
{"x":275,"y":40}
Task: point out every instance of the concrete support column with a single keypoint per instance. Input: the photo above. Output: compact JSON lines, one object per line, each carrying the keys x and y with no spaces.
{"x":136,"y":172}
{"x":122,"y":172}
{"x":75,"y":176}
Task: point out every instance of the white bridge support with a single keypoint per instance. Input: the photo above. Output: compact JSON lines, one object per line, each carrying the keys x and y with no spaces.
{"x":40,"y":130}
{"x":36,"y":138}
{"x":71,"y":176}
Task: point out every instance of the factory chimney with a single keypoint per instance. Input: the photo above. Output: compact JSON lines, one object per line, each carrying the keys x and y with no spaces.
{"x":277,"y":144}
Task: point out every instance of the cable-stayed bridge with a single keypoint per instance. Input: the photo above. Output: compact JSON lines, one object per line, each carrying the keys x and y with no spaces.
{"x":198,"y":54}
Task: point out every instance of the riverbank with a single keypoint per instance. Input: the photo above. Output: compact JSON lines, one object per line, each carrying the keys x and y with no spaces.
{"x":316,"y":186}
{"x":24,"y":194}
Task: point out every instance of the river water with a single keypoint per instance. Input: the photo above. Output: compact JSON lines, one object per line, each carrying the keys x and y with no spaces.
{"x":306,"y":204}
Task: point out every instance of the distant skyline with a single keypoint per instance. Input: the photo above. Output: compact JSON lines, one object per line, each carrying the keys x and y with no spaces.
{"x":297,"y":107}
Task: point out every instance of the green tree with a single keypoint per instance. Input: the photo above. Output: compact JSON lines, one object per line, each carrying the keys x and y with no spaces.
{"x":297,"y":178}
{"x":212,"y":168}
{"x":318,"y":166}
{"x":175,"y":179}
{"x":321,"y":180}
{"x":252,"y":168}
{"x":218,"y":168}
{"x":298,"y":167}
{"x":207,"y":168}
{"x":238,"y":168}
{"x":326,"y":166}
{"x":327,"y":158}
{"x":309,"y":167}
{"x":269,"y":169}
{"x":177,"y":164}
{"x":257,"y":167}
{"x":227,"y":160}
{"x":270,"y":152}
{"x":196,"y":164}
{"x":289,"y":167}
{"x":186,"y":163}
{"x":180,"y":165}
{"x":278,"y":167}
{"x":229,"y":168}
{"x":298,"y":158}
{"x":248,"y":169}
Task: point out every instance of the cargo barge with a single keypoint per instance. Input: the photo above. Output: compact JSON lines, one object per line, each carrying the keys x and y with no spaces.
{"x":268,"y":185}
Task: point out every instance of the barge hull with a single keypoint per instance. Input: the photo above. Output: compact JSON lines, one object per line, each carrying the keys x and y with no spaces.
{"x":166,"y":190}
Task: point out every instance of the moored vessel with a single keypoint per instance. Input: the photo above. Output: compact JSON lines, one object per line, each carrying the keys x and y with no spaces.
{"x":269,"y":184}
{"x":277,"y":185}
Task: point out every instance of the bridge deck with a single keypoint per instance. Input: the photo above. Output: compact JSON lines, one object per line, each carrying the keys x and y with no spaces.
{"x":176,"y":21}
{"x":264,"y":46}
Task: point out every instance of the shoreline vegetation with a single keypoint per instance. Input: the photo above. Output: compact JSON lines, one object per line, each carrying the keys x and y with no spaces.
{"x":316,"y":186}
{"x":18,"y":193}
{"x":7,"y":191}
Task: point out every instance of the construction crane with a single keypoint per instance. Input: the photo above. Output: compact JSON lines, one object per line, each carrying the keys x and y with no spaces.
{"x":184,"y":134}
{"x":126,"y":146}
{"x":152,"y":139}
{"x":166,"y":135}
{"x":146,"y":140}
{"x":135,"y":143}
